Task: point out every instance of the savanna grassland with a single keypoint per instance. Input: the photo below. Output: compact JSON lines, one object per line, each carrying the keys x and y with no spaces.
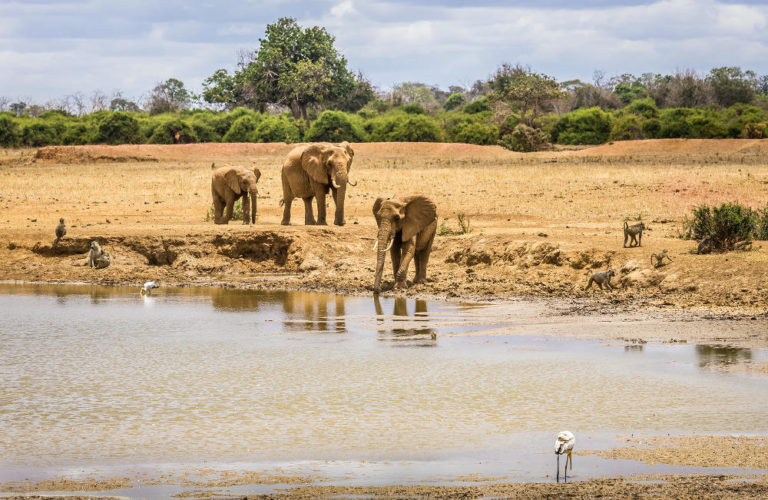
{"x":538,"y":222}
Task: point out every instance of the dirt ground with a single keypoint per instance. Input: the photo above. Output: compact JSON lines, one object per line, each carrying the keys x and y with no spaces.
{"x":539,"y":223}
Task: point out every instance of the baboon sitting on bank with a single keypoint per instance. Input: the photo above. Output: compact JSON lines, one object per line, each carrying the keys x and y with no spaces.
{"x":98,"y":258}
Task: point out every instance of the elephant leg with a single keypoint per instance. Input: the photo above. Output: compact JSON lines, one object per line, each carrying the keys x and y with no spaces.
{"x":309,"y":217}
{"x":422,"y":258}
{"x":409,"y":248}
{"x":395,"y":253}
{"x":320,"y":197}
{"x":218,"y":208}
{"x":230,"y":210}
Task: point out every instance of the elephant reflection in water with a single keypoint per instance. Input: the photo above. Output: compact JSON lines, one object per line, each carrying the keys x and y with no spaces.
{"x":311,"y":312}
{"x":400,"y":310}
{"x":722,"y":356}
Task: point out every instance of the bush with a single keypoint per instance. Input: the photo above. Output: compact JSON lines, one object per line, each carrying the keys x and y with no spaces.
{"x":626,"y":128}
{"x":204,"y":131}
{"x":335,"y":126}
{"x":761,"y":221}
{"x":644,"y":107}
{"x":583,"y":126}
{"x":651,"y":128}
{"x":39,"y":133}
{"x":173,"y":131}
{"x":727,"y":225}
{"x":277,"y":129}
{"x":674,"y":123}
{"x":477,"y":106}
{"x":77,"y":134}
{"x":525,"y":139}
{"x":415,"y":128}
{"x":474,"y":133}
{"x":413,"y":109}
{"x":454,"y":101}
{"x":242,"y":128}
{"x":119,"y":128}
{"x":10,"y":135}
{"x":703,"y":125}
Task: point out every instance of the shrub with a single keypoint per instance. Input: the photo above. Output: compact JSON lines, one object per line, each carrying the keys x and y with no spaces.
{"x":413,"y":109}
{"x":10,"y":136}
{"x":474,"y":133}
{"x":626,"y":128}
{"x":79,"y":134}
{"x":277,"y":129}
{"x":703,"y":125}
{"x":39,"y":133}
{"x":644,"y":107}
{"x":651,"y":128}
{"x":204,"y":131}
{"x":241,"y":129}
{"x":454,"y":101}
{"x":173,"y":131}
{"x":335,"y":126}
{"x":525,"y":139}
{"x":583,"y":126}
{"x":119,"y":128}
{"x":477,"y":106}
{"x":728,"y":225}
{"x":674,"y":123}
{"x":415,"y":128}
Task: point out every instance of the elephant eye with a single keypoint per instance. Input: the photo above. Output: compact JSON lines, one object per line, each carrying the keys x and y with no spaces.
{"x":397,"y":217}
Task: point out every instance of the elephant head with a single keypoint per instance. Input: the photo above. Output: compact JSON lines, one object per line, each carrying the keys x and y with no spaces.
{"x":399,"y":219}
{"x":329,"y":165}
{"x":242,"y":181}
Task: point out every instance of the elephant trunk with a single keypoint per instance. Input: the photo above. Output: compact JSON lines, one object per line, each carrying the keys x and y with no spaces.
{"x":341,"y":193}
{"x":382,"y":244}
{"x":246,"y":208}
{"x":254,"y":195}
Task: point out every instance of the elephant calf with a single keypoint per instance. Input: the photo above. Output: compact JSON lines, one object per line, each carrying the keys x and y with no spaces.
{"x":407,"y":228}
{"x":228,"y":184}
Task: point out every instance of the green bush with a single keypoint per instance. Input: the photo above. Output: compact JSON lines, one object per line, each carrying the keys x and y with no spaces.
{"x":277,"y":129}
{"x":10,"y":134}
{"x":651,"y":128}
{"x":119,"y":127}
{"x":626,"y":128}
{"x":413,"y":109}
{"x":39,"y":133}
{"x":204,"y":131}
{"x":477,"y":106}
{"x":242,"y":128}
{"x":727,"y":225}
{"x":525,"y":139}
{"x":415,"y":128}
{"x":474,"y":133}
{"x":582,"y":126}
{"x":674,"y":123}
{"x":644,"y":107}
{"x":703,"y":125}
{"x":335,"y":126}
{"x":172,"y":131}
{"x":77,"y":134}
{"x":454,"y":101}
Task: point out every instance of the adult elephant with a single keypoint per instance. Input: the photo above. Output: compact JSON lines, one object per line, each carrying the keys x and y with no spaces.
{"x":407,"y":228}
{"x":229,"y":184}
{"x":311,"y":171}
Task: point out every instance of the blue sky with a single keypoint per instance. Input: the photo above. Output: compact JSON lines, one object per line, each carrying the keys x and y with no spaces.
{"x":49,"y":49}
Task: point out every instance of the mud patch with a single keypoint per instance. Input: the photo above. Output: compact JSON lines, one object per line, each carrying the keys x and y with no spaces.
{"x":261,"y":247}
{"x":75,"y":154}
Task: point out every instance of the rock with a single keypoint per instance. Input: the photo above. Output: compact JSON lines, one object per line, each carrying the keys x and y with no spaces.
{"x":310,"y":263}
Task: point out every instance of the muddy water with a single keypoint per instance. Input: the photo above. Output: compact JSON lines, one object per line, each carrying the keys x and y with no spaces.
{"x":99,"y":376}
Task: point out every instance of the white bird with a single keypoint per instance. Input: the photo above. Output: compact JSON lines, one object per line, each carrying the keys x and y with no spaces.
{"x":564,"y":446}
{"x":147,"y":288}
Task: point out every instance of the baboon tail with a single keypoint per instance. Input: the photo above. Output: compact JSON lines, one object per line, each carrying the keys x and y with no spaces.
{"x":626,"y":225}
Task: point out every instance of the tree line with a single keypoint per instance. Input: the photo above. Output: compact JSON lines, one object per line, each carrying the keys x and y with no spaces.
{"x":296,"y":86}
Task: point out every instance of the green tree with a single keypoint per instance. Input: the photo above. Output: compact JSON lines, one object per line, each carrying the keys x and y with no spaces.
{"x":297,"y":68}
{"x":168,"y":97}
{"x":518,"y":88}
{"x":221,"y":88}
{"x":731,"y":85}
{"x":120,"y":104}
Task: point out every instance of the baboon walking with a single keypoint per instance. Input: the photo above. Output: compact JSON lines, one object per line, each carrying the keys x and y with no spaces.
{"x":635,"y":232}
{"x":659,"y":257}
{"x":601,"y":278}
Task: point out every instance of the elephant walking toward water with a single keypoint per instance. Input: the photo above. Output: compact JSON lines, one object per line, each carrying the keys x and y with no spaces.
{"x":229,"y":184}
{"x":313,"y":170}
{"x":407,"y":228}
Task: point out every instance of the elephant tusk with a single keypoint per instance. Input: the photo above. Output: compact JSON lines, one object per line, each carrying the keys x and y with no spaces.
{"x":390,"y":244}
{"x":350,"y":183}
{"x":376,"y":245}
{"x":333,"y":181}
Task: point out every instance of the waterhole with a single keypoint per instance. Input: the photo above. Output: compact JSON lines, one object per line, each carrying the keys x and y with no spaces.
{"x":379,"y":390}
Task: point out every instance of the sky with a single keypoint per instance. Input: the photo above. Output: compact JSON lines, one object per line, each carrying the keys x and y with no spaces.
{"x":53,"y":48}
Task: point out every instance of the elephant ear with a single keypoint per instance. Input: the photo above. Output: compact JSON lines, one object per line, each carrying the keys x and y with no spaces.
{"x":312,"y":161}
{"x":376,"y":208}
{"x":232,"y":179}
{"x":419,"y":213}
{"x":257,"y":173}
{"x":351,"y":152}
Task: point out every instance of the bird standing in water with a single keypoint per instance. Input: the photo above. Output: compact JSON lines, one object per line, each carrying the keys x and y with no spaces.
{"x":147,"y":288}
{"x":564,"y":446}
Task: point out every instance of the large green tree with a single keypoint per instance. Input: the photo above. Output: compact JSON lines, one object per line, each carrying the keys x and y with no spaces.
{"x":516,"y":87}
{"x":169,"y":96}
{"x":295,"y":67}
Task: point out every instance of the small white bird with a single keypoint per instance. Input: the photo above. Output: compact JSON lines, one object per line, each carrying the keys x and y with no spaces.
{"x":147,"y":288}
{"x":564,"y":446}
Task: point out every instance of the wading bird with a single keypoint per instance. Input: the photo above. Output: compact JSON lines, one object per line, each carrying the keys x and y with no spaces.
{"x":564,"y":446}
{"x":147,"y":288}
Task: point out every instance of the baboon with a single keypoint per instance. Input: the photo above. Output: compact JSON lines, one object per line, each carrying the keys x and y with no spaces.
{"x":98,"y":258}
{"x":601,"y":278}
{"x":660,"y":258}
{"x":61,"y":230}
{"x":635,"y":232}
{"x":705,"y":246}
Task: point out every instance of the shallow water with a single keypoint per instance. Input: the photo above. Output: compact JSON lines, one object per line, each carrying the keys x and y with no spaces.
{"x":99,"y":376}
